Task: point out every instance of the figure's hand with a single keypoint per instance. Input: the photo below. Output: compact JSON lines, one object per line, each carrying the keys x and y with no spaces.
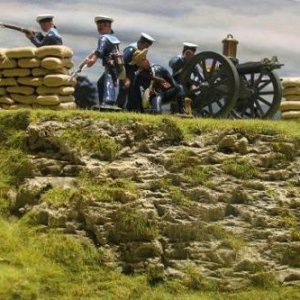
{"x":166,"y":85}
{"x":29,"y":34}
{"x":90,"y":60}
{"x":127,"y":82}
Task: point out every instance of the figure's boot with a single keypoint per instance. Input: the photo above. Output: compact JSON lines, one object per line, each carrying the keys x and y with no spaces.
{"x":156,"y":105}
{"x":180,"y":102}
{"x":188,"y":106}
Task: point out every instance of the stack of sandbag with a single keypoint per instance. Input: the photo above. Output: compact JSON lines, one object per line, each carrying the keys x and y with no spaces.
{"x":290,"y":108}
{"x":36,"y":78}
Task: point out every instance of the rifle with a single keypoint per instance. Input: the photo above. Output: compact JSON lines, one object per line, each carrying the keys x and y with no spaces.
{"x":17,"y":28}
{"x":79,"y":69}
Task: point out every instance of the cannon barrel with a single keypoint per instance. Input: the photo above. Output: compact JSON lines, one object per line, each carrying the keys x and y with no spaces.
{"x":257,"y":67}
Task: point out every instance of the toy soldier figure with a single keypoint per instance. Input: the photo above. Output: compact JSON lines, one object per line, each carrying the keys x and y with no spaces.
{"x":177,"y":63}
{"x":126,"y":92}
{"x":157,"y":81}
{"x":52,"y":37}
{"x":108,"y":52}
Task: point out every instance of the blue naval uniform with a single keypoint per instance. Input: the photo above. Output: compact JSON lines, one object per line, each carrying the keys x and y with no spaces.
{"x":52,"y":37}
{"x":107,"y":84}
{"x":176,"y":64}
{"x":143,"y":79}
{"x":127,"y":94}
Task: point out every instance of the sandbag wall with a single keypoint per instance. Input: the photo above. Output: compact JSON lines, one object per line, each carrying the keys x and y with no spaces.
{"x":36,"y":78}
{"x":290,"y":107}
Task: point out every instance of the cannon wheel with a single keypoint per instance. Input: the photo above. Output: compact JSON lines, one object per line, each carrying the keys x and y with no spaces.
{"x":264,"y":99}
{"x":212,"y":82}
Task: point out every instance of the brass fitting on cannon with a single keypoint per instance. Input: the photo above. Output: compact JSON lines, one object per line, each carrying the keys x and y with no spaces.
{"x":230,"y":46}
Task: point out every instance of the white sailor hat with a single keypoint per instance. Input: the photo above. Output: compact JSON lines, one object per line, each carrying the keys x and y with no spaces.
{"x":147,"y":37}
{"x":103,"y":19}
{"x":44,"y":17}
{"x":190,"y":45}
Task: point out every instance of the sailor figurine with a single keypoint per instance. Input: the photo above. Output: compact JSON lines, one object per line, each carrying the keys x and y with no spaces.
{"x":107,"y":50}
{"x":52,"y":37}
{"x":126,"y":93}
{"x":178,"y":62}
{"x":161,"y":86}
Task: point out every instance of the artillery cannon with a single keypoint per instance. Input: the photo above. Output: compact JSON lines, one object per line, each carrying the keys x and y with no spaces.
{"x":222,"y":87}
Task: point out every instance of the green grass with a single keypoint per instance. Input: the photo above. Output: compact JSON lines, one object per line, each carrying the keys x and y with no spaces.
{"x":117,"y":190}
{"x":58,"y":197}
{"x":187,"y":163}
{"x":132,"y":225}
{"x":14,"y":166}
{"x":228,"y":239}
{"x":90,"y":143}
{"x":240,"y":168}
{"x":189,"y":127}
{"x":55,"y":266}
{"x":50,"y":265}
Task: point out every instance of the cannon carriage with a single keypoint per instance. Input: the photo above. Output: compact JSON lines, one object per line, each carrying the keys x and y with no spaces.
{"x":220,"y":86}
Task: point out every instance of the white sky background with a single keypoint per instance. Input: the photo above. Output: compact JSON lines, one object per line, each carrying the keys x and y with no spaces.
{"x":263,"y":27}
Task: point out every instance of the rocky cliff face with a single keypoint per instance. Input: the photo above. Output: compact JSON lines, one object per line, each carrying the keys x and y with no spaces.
{"x":223,"y":203}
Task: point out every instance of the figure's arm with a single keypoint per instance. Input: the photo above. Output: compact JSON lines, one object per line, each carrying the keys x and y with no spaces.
{"x":127,"y":56}
{"x":98,"y":53}
{"x":37,"y":39}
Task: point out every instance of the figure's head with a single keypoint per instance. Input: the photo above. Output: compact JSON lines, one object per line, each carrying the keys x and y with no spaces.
{"x":189,"y":50}
{"x":145,"y":41}
{"x":45,"y":21}
{"x":140,"y":59}
{"x":103,"y":24}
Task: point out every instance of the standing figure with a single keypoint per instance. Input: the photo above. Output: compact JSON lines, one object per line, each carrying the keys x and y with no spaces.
{"x":156,"y":82}
{"x":177,"y":63}
{"x":108,"y":52}
{"x":126,"y":92}
{"x":51,"y":37}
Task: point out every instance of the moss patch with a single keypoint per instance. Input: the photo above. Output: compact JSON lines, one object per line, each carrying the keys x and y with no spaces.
{"x":240,"y":168}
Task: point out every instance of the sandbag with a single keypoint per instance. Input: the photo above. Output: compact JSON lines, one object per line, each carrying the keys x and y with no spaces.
{"x":8,"y":82}
{"x":24,"y":99}
{"x":22,"y":52}
{"x":67,"y":62}
{"x":292,"y":98}
{"x":57,"y":51}
{"x":291,"y":82}
{"x":66,"y":99}
{"x":47,"y":100}
{"x":31,"y":81}
{"x":289,"y":115}
{"x":23,"y":90}
{"x":64,"y":71}
{"x":29,"y":63}
{"x":16,"y":72}
{"x":6,"y":100}
{"x":63,"y":90}
{"x":52,"y":63}
{"x":290,"y":105}
{"x":66,"y":106}
{"x":291,"y":91}
{"x":2,"y":91}
{"x":57,"y":80}
{"x":6,"y":63}
{"x":17,"y":106}
{"x":36,"y":72}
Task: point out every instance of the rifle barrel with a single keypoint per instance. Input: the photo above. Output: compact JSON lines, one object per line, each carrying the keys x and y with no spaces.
{"x":17,"y":28}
